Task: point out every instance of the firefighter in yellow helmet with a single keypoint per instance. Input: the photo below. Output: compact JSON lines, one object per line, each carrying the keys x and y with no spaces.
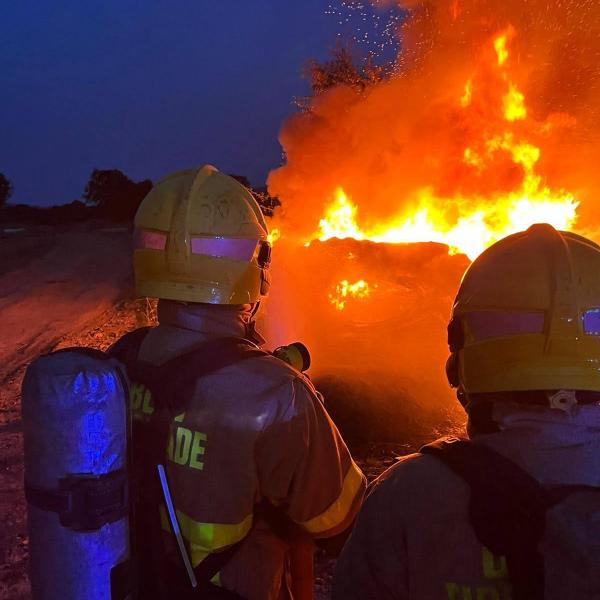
{"x":253,"y":471}
{"x":465,"y":518}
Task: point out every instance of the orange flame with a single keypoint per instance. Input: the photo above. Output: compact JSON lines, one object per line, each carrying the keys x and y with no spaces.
{"x":274,"y":235}
{"x":481,"y":220}
{"x":514,"y":104}
{"x":465,"y":99}
{"x":345,"y":290}
{"x":501,"y":49}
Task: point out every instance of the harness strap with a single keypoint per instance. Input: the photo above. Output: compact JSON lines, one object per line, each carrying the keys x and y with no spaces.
{"x":169,"y":382}
{"x":126,"y":348}
{"x":507,"y":509}
{"x":84,"y":503}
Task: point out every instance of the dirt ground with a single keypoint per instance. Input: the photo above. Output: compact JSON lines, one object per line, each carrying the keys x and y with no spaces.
{"x":47,"y":301}
{"x":57,"y":287}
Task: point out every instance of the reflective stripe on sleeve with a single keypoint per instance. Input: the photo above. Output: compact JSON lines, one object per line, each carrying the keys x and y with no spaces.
{"x":336,"y":514}
{"x":204,"y":538}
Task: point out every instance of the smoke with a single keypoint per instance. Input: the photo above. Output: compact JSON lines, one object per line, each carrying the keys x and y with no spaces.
{"x":388,"y":143}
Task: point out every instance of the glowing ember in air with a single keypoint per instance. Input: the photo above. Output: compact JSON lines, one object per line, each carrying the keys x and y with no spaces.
{"x":345,"y":290}
{"x":468,"y":223}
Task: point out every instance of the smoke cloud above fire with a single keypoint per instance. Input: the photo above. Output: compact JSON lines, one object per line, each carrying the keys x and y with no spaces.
{"x":491,"y":103}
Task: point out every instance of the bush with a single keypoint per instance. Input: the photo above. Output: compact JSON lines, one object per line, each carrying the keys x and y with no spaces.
{"x":267,"y":203}
{"x":74,"y":212}
{"x":115,"y":195}
{"x":5,"y":190}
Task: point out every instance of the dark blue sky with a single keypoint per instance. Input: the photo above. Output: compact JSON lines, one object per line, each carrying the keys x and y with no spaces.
{"x":148,"y":86}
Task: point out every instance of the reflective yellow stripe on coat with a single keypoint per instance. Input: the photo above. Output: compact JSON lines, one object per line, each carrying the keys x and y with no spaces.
{"x":204,"y":538}
{"x":340,"y":509}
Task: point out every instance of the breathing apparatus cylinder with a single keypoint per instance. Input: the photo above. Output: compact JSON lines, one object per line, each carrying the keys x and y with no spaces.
{"x":75,"y":438}
{"x":295,"y":354}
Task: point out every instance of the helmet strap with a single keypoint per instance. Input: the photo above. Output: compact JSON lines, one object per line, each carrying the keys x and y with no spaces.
{"x":481,"y":419}
{"x":251,"y":333}
{"x":452,"y":370}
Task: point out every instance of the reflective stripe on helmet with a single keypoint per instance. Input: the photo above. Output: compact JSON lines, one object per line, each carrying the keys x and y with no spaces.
{"x":221,"y":247}
{"x":591,"y":321}
{"x":488,"y":324}
{"x":143,"y":239}
{"x":339,"y":511}
{"x":204,"y":538}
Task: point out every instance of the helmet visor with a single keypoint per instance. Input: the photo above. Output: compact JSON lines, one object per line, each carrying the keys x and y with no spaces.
{"x":489,"y":324}
{"x":591,"y":321}
{"x":221,"y":247}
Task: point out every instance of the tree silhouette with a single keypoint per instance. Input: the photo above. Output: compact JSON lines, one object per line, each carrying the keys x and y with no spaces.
{"x":5,"y":190}
{"x":242,"y":179}
{"x":343,"y":68}
{"x":116,"y":196}
{"x":267,"y":203}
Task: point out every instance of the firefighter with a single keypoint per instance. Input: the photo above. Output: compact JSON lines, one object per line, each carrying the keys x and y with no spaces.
{"x":525,"y":347}
{"x":255,"y":468}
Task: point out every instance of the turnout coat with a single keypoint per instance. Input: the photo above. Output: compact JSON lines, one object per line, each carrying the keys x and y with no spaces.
{"x":255,"y":431}
{"x":413,"y":539}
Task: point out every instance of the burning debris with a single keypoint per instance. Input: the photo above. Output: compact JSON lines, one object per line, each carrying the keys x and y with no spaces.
{"x":345,"y":290}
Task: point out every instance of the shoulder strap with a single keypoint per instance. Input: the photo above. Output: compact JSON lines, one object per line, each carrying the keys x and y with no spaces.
{"x":211,"y":356}
{"x":201,"y":360}
{"x":170,"y":381}
{"x":507,"y":508}
{"x":127,"y":347}
{"x":480,"y":466}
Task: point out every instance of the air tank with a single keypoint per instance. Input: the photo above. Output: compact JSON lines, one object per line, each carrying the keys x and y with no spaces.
{"x":75,"y":437}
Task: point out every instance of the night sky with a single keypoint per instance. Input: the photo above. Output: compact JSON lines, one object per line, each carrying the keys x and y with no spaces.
{"x":148,"y":87}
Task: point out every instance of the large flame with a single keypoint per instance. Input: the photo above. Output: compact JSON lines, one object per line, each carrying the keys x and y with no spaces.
{"x":481,"y":220}
{"x":490,"y":125}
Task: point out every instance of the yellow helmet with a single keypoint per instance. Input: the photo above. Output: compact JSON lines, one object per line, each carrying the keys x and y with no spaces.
{"x":200,"y":236}
{"x":527,"y":316}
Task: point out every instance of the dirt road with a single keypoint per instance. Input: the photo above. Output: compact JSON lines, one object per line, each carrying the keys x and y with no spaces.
{"x":55,"y":286}
{"x":71,"y":282}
